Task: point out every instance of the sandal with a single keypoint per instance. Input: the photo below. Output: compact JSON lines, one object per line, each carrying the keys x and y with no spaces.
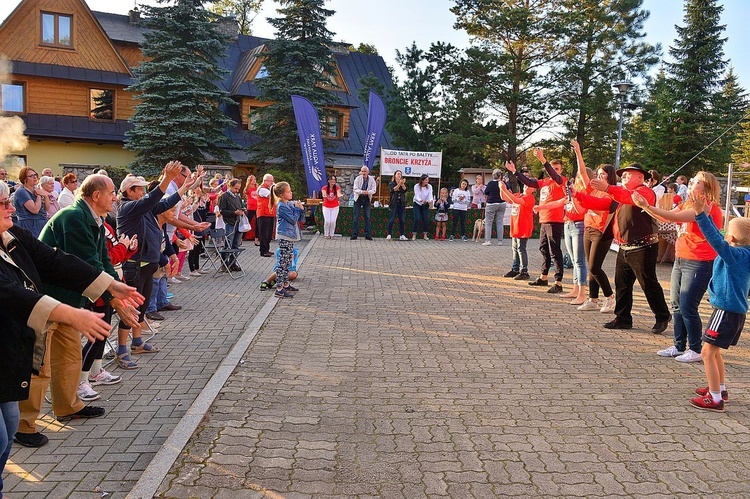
{"x":123,"y":361}
{"x":143,"y":348}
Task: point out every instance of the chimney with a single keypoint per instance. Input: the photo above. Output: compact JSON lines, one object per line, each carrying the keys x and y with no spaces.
{"x":134,"y":16}
{"x":230,"y":27}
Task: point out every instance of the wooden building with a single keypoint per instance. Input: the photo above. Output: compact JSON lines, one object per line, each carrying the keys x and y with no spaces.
{"x":71,"y":66}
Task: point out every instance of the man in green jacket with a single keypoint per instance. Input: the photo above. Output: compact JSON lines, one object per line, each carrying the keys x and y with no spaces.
{"x":77,"y":230}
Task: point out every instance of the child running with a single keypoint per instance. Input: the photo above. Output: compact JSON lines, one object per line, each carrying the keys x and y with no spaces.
{"x":442,"y":205}
{"x":521,"y":227}
{"x":727,"y":292}
{"x":288,"y":214}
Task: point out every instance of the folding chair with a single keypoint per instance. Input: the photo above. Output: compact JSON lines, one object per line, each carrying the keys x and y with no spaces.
{"x":211,"y":247}
{"x":219,"y":244}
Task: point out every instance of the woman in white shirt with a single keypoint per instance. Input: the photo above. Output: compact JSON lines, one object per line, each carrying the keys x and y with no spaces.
{"x":422,"y":199}
{"x":461,"y":200}
{"x":68,"y":195}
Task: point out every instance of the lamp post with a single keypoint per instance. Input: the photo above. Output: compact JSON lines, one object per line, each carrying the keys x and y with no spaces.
{"x":622,"y":97}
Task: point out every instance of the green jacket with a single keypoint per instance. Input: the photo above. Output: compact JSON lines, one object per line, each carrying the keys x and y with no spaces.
{"x":74,"y":231}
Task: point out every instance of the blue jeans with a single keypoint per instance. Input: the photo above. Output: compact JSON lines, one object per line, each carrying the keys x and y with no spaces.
{"x":421,"y":215}
{"x":396,"y":210}
{"x":574,"y":243}
{"x":158,"y":295}
{"x":688,"y":285}
{"x":361,"y":204}
{"x":8,"y":426}
{"x":234,"y":238}
{"x":494,"y":212}
{"x":520,"y":257}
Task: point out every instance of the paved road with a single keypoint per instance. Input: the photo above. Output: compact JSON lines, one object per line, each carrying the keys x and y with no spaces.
{"x":409,"y":369}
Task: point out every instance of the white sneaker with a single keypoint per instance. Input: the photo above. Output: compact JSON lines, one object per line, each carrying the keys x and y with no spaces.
{"x":86,"y":393}
{"x":609,"y":305}
{"x":499,"y":243}
{"x":486,"y":243}
{"x":388,"y":237}
{"x":195,"y":273}
{"x":670,"y":352}
{"x":403,"y":237}
{"x":689,"y":356}
{"x":174,"y":280}
{"x":202,"y":271}
{"x":183,"y":277}
{"x":589,"y":304}
{"x":104,"y":378}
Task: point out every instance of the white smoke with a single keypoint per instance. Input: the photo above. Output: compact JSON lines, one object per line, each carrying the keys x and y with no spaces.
{"x":12,"y":139}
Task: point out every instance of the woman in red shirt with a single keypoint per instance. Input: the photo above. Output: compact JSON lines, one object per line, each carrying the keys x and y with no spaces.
{"x":251,"y":194}
{"x":693,"y":266}
{"x":597,"y":236}
{"x":331,"y":194}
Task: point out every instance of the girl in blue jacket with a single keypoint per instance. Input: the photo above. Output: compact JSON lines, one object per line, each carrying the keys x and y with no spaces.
{"x":288,"y":216}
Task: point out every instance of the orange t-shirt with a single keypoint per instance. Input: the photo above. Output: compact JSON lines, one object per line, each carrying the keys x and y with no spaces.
{"x":691,"y":243}
{"x":263,"y":209}
{"x":596,"y":218}
{"x":522,"y":217}
{"x":549,"y":191}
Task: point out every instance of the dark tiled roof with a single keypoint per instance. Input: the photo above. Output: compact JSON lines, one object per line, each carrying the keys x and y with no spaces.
{"x":238,"y":60}
{"x":70,"y":73}
{"x":118,"y":27}
{"x":75,"y":127}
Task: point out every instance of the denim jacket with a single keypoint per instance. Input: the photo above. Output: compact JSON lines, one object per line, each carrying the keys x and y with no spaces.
{"x":288,"y":217}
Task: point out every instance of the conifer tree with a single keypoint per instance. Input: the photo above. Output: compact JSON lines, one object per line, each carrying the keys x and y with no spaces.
{"x":179,"y":116}
{"x":695,"y":77}
{"x":299,"y":62}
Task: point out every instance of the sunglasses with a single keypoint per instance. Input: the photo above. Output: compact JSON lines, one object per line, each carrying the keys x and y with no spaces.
{"x":6,"y":203}
{"x":33,"y":175}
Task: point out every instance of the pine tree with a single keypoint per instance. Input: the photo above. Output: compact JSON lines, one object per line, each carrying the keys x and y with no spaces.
{"x":731,"y":105}
{"x":299,"y":62}
{"x":604,"y":46}
{"x":524,"y":38}
{"x":696,"y":76}
{"x":179,"y":115}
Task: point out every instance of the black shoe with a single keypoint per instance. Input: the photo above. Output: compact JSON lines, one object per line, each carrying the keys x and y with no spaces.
{"x":368,"y":238}
{"x":155,"y":316}
{"x":353,"y":238}
{"x":523,"y":276}
{"x":30,"y":439}
{"x":539,"y":282}
{"x":511,"y":273}
{"x":555,"y":289}
{"x":266,"y":254}
{"x":169,"y":307}
{"x":87,"y":412}
{"x":235,"y":268}
{"x":660,"y":327}
{"x":615,"y":324}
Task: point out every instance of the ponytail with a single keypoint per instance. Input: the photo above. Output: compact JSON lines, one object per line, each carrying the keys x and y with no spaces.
{"x":276,"y":192}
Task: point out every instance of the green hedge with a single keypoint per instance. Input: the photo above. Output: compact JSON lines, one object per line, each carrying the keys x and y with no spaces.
{"x":379,"y":222}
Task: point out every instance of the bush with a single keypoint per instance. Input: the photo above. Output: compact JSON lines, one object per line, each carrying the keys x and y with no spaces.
{"x":298,"y":188}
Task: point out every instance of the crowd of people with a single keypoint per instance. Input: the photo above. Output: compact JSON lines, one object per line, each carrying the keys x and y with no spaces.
{"x":74,"y":256}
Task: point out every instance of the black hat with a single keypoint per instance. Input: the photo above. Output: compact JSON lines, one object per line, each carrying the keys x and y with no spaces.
{"x":635,"y":167}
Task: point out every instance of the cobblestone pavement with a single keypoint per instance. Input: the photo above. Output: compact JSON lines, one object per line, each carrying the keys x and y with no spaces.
{"x":86,"y":458}
{"x":410,"y":369}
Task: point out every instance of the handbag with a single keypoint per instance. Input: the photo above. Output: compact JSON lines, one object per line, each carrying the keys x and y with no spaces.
{"x":243,"y":224}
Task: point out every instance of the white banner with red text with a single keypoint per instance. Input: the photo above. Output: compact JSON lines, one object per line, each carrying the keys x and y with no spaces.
{"x":411,"y":163}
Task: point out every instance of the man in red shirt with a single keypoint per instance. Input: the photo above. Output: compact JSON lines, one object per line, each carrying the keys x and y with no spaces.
{"x":551,"y":190}
{"x":266,"y":215}
{"x":636,"y":233}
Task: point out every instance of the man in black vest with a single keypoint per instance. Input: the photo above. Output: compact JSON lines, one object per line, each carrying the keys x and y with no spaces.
{"x":635,"y":232}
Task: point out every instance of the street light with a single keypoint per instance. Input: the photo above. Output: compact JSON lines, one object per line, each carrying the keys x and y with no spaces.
{"x":622,"y":97}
